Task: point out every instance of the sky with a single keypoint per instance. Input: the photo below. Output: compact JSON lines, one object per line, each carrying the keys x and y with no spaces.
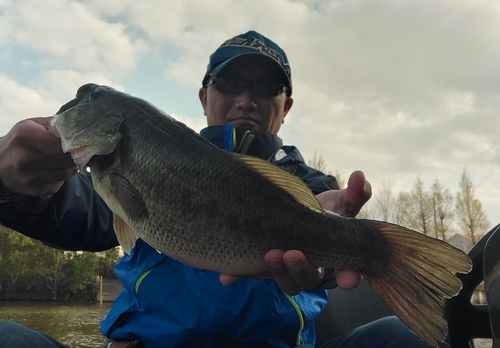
{"x":399,"y":89}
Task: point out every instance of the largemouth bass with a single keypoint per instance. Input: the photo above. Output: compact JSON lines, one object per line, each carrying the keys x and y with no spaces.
{"x":222,"y":211}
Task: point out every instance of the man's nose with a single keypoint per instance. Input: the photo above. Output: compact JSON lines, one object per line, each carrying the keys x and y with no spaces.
{"x":246,"y":100}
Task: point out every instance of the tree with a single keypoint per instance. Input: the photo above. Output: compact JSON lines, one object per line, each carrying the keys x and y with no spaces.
{"x":421,"y":207}
{"x":30,"y":270}
{"x":317,"y":162}
{"x":106,"y":264}
{"x":402,"y":209}
{"x":365,"y":212}
{"x":389,"y":207}
{"x":340,"y":179}
{"x":17,"y":253}
{"x":50,"y":265}
{"x":384,"y":201}
{"x":442,"y":210}
{"x":82,"y":271}
{"x":471,"y":218}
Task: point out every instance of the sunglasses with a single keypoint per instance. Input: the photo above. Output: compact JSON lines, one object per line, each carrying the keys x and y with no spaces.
{"x":233,"y":85}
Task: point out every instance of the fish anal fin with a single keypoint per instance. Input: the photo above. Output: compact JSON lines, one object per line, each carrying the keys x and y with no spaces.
{"x":129,"y":198}
{"x":125,"y":235}
{"x":284,"y":180}
{"x":417,"y":279}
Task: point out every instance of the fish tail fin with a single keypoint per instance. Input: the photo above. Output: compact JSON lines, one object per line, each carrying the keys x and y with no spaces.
{"x":420,"y":276}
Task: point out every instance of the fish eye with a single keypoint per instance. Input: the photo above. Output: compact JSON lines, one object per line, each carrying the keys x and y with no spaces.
{"x":93,"y":96}
{"x":109,"y":131}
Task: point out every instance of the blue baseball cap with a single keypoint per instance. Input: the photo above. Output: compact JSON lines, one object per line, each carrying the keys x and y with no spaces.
{"x":248,"y":43}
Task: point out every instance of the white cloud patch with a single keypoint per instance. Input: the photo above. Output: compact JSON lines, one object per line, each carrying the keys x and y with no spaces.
{"x":63,"y":84}
{"x":17,"y":101}
{"x":395,"y":88}
{"x":197,"y":28}
{"x":70,"y":36}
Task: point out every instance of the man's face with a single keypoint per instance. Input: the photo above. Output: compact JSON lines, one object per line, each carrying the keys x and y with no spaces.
{"x":246,"y":109}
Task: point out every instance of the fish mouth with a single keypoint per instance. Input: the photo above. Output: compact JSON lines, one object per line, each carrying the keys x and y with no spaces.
{"x":86,"y":126}
{"x":77,"y":142}
{"x":87,"y":156}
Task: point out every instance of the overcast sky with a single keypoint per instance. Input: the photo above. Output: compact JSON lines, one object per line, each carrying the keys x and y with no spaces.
{"x":396,"y":88}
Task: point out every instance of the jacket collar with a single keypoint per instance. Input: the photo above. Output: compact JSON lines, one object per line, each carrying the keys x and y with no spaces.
{"x":250,"y":142}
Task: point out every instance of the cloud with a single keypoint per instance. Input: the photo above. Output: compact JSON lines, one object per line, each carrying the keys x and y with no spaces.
{"x":63,"y":84}
{"x":17,"y":101}
{"x":67,"y":35}
{"x":196,"y":28}
{"x":395,"y":88}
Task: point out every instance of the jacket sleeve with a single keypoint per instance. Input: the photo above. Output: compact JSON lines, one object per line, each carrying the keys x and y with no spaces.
{"x":317,"y":181}
{"x":290,"y":159}
{"x":74,"y":218}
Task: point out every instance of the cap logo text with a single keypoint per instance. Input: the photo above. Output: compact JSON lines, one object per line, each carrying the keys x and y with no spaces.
{"x":252,"y":42}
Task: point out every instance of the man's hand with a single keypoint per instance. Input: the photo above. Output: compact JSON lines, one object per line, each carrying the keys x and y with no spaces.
{"x":32,"y":161}
{"x":349,"y":201}
{"x":291,"y":270}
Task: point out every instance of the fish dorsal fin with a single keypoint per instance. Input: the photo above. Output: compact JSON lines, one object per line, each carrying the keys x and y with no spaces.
{"x":284,"y":180}
{"x":125,"y":235}
{"x":129,"y":198}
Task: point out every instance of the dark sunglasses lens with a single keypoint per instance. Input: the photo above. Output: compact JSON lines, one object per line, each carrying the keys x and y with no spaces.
{"x":263,"y":88}
{"x":230,"y":86}
{"x":266,"y":88}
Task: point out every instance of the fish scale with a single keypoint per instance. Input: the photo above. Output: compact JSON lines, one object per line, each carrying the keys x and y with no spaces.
{"x":223,"y":211}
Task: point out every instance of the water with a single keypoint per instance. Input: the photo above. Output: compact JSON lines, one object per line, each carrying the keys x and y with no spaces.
{"x":76,"y":326}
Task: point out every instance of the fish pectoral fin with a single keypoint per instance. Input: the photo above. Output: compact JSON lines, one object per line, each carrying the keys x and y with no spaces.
{"x":129,"y":198}
{"x":125,"y":235}
{"x":284,"y":180}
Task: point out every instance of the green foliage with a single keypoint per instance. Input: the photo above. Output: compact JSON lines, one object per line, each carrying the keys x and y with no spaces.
{"x":30,"y":270}
{"x":106,"y":264}
{"x":82,"y":272}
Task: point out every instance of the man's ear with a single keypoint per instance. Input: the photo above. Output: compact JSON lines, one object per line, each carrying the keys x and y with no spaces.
{"x":202,"y":94}
{"x":287,"y":107}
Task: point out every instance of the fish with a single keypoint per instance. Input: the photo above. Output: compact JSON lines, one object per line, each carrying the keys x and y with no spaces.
{"x":222,"y":211}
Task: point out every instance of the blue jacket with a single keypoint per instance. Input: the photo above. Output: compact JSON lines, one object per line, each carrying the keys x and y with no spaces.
{"x":165,"y":303}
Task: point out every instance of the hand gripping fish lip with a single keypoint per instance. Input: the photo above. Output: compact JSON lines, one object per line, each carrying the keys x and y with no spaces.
{"x":74,"y":134}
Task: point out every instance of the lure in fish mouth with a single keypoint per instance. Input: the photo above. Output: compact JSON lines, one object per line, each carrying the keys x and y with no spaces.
{"x":222,"y":211}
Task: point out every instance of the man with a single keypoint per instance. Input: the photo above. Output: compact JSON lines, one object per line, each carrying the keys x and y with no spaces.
{"x":246,"y":95}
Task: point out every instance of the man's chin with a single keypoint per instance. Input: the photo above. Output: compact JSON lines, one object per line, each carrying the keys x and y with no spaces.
{"x":246,"y":124}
